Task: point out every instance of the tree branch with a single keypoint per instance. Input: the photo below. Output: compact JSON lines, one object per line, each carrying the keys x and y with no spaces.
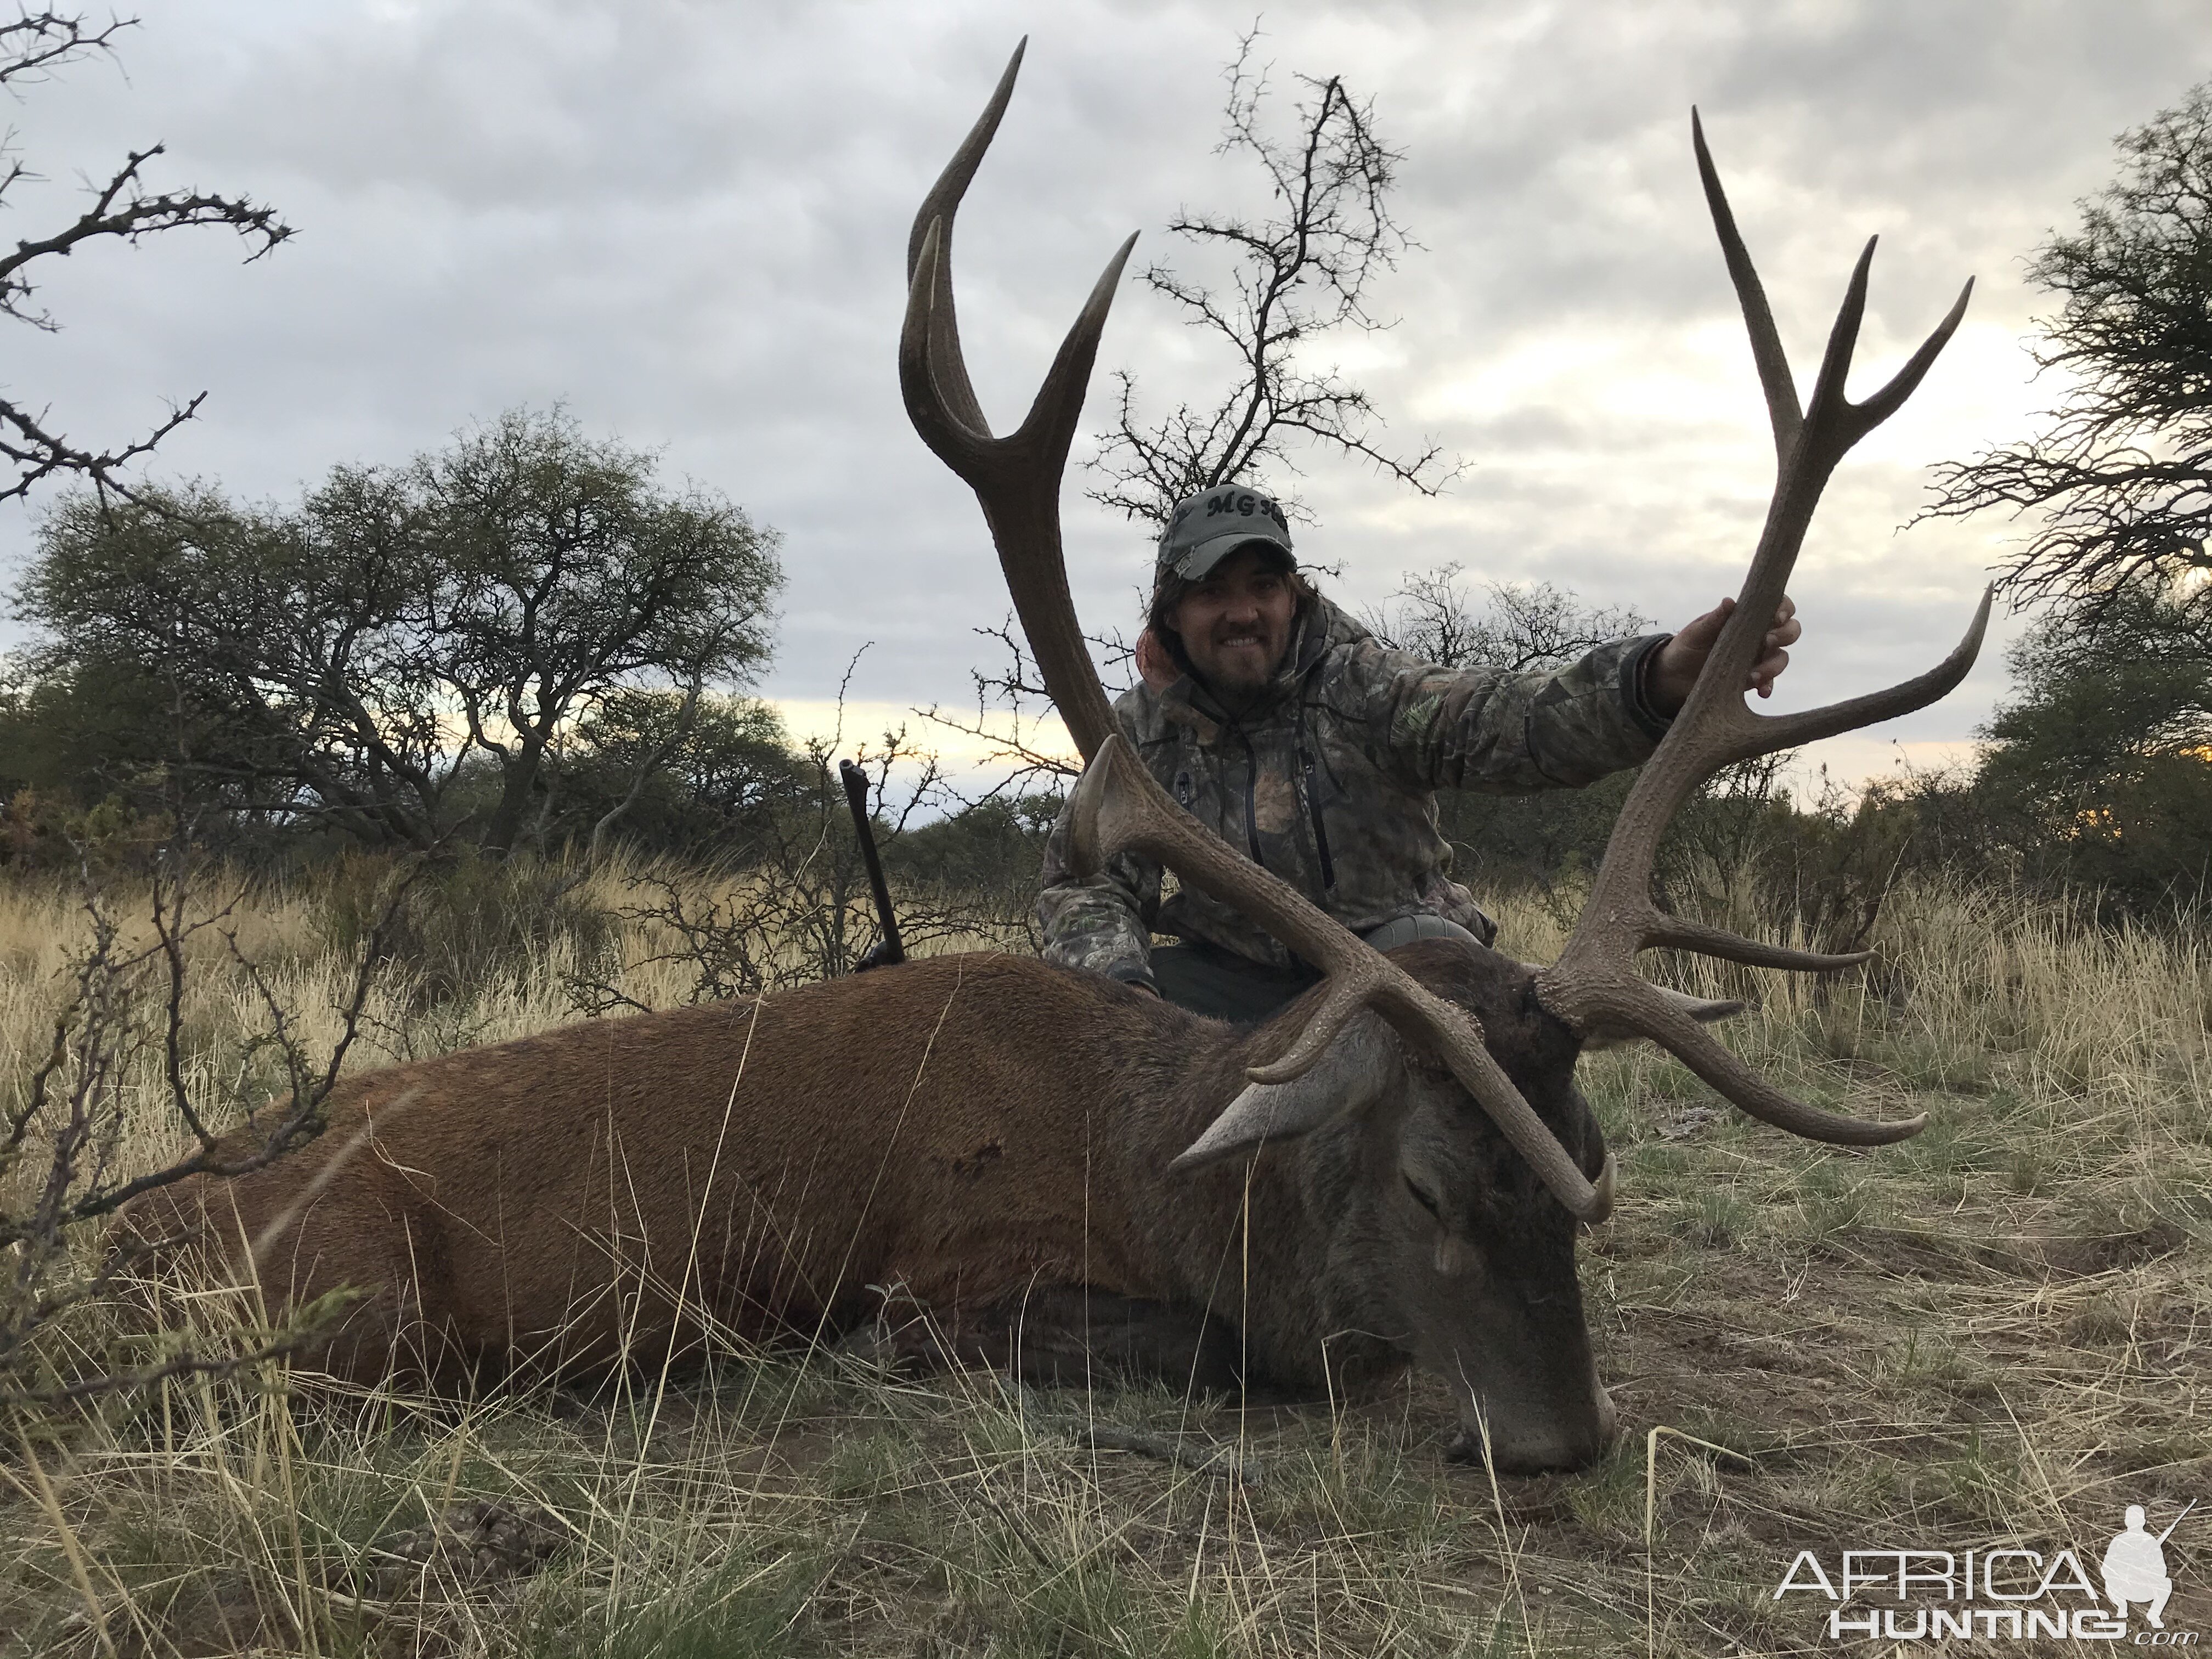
{"x":1298,"y":274}
{"x":31,"y":46}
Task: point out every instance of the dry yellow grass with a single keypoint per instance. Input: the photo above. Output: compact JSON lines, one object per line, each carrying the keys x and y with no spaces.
{"x":1998,"y":1333}
{"x":290,"y":933}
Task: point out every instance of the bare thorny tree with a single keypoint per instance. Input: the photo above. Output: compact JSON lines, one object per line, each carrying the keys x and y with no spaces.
{"x":1300,"y":272}
{"x":1012,"y":706}
{"x":66,"y":1139}
{"x":64,"y":1154}
{"x":31,"y":47}
{"x":1434,"y":615}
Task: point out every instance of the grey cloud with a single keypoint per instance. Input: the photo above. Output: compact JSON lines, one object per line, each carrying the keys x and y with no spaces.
{"x":690,"y":222}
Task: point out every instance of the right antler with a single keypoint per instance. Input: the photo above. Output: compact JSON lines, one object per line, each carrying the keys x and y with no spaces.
{"x":1593,"y":984}
{"x":1119,"y":806}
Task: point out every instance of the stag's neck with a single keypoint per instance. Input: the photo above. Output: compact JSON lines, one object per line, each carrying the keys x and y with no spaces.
{"x":1251,"y":1239}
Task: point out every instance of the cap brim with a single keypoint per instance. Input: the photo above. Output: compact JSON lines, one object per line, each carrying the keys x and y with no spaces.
{"x":1198,"y":562}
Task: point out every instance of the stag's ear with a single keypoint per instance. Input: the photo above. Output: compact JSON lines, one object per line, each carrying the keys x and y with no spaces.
{"x":1353,"y":1072}
{"x":1705,"y":1012}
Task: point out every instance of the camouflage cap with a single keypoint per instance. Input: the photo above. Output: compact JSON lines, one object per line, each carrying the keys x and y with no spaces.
{"x":1207,"y":527}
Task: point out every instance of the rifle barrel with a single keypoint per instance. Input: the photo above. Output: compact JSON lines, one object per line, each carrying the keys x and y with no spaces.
{"x":2178,"y":1519}
{"x":891,"y":949}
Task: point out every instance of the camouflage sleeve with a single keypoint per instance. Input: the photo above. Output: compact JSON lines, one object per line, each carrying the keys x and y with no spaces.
{"x":1490,"y":729}
{"x":1101,"y":923}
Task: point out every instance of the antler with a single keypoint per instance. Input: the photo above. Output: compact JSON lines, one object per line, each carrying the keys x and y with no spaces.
{"x":1119,"y":806}
{"x":1016,"y":477}
{"x":1594,"y":983}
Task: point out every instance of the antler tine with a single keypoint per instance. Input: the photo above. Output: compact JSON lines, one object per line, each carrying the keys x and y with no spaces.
{"x":1049,"y":427}
{"x":939,"y":207}
{"x":1643,"y":1008}
{"x":1592,"y":983}
{"x":933,"y":379}
{"x":1836,"y":359}
{"x":1679,"y":933}
{"x":1774,"y":375}
{"x":1873,"y":411}
{"x":1771,"y":732}
{"x":1118,"y":807}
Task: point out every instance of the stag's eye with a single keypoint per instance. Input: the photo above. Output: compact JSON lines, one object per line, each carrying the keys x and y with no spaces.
{"x":1422,"y":1199}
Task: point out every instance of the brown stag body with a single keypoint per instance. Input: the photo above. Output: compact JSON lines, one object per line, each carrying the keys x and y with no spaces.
{"x":851,"y":1154}
{"x":1039,"y":1167}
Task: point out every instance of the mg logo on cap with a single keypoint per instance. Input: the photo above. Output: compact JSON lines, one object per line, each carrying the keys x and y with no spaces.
{"x":1243,"y":504}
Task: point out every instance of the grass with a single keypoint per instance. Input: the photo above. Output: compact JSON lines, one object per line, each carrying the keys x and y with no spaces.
{"x":1998,"y":1333}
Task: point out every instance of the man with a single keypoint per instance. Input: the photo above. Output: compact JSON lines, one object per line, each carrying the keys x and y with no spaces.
{"x":2134,"y":1570}
{"x":1283,"y":727}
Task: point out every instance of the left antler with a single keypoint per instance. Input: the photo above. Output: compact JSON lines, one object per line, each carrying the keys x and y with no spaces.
{"x":1119,"y":806}
{"x":1016,"y":477}
{"x":1593,"y":984}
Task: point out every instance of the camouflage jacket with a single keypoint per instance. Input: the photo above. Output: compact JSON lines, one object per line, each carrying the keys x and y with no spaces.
{"x":1330,"y":785}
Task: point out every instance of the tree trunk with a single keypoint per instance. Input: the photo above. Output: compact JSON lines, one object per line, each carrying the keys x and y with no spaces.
{"x":518,"y":773}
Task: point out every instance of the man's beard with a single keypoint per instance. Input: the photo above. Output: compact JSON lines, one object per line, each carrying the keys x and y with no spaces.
{"x":1239,"y":684}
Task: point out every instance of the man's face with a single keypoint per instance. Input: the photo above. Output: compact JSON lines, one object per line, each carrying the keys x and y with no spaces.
{"x":1235,"y":624}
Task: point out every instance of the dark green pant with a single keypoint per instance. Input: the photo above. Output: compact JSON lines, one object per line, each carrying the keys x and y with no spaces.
{"x":1223,"y":985}
{"x":1209,"y":980}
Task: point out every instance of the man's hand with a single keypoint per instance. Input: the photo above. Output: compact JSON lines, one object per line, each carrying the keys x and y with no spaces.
{"x":1675,"y":670}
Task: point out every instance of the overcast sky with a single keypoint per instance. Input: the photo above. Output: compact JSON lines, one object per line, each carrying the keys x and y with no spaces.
{"x":686,"y":221}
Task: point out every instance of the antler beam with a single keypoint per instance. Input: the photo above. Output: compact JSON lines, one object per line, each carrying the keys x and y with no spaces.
{"x":1594,"y":983}
{"x":1120,"y":808}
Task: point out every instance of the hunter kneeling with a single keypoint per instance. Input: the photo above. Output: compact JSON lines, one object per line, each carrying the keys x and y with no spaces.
{"x":1287,"y":730}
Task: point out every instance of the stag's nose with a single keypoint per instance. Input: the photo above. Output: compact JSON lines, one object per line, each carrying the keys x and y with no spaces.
{"x":1559,"y":1441}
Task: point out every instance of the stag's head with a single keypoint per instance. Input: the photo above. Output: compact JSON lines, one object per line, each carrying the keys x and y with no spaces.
{"x":1444,"y":1073}
{"x":1447,"y":1245}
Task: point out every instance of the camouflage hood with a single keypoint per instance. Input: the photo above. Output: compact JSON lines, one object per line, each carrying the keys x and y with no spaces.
{"x":1329,"y":783}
